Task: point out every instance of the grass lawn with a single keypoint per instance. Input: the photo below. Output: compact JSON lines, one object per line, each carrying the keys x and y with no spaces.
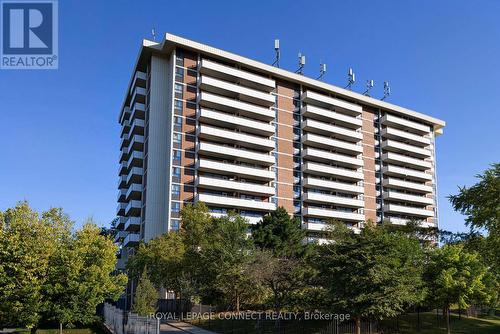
{"x":83,"y":330}
{"x":430,"y":324}
{"x":407,"y":325}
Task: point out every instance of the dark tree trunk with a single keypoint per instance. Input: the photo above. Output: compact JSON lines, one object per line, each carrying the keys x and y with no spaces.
{"x":358,"y":325}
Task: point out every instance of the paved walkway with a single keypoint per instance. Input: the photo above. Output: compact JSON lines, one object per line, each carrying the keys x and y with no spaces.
{"x":179,"y":327}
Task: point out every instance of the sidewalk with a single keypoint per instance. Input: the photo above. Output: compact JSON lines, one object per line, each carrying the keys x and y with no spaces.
{"x":179,"y":327}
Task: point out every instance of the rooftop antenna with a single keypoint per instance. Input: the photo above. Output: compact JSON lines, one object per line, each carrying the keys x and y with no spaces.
{"x":277,"y":50}
{"x":153,"y":32}
{"x":322,"y":71}
{"x":351,"y":77}
{"x":302,"y":62}
{"x":387,"y":90}
{"x":369,"y":86}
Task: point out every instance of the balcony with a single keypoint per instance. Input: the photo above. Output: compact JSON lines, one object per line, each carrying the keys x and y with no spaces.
{"x":331,"y":130}
{"x":132,"y":239}
{"x":132,"y":224}
{"x":135,"y":175}
{"x":324,"y":227}
{"x":122,"y":181}
{"x":325,"y":156}
{"x":402,"y":197}
{"x":403,"y":160}
{"x":134,"y":191}
{"x":400,"y":184}
{"x":234,"y":202}
{"x":395,"y":146}
{"x":235,"y":153}
{"x":328,"y":143}
{"x":138,"y":80}
{"x":120,"y":235}
{"x":228,"y":185}
{"x":138,"y":95}
{"x":411,"y":138}
{"x":242,"y":108}
{"x":314,"y":197}
{"x":136,"y":142}
{"x":232,"y":169}
{"x":236,"y":91}
{"x":407,"y":173}
{"x":125,"y":127}
{"x":123,"y":156}
{"x":311,"y":182}
{"x":329,"y":213}
{"x":231,"y":73}
{"x":125,"y":115}
{"x":121,"y":223}
{"x":322,"y":170}
{"x":235,"y":122}
{"x":133,"y":208}
{"x":407,"y":210}
{"x":120,"y":209}
{"x":330,"y":116}
{"x":135,"y":159}
{"x":121,"y":196}
{"x":330,"y":102}
{"x":402,"y":123}
{"x":138,"y":111}
{"x":237,"y":138}
{"x":137,"y":127}
{"x":252,"y":220}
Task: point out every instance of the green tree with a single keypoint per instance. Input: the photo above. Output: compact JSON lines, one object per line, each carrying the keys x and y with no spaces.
{"x":481,"y":202}
{"x":374,"y":274}
{"x":456,"y":276}
{"x":146,"y":296}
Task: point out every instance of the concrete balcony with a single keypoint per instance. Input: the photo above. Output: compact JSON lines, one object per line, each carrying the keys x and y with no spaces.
{"x":123,"y":156}
{"x":322,"y":170}
{"x":330,"y":199}
{"x":124,"y":141}
{"x":401,"y":123}
{"x":407,"y":173}
{"x":231,"y":137}
{"x":411,"y":138}
{"x":125,"y":115}
{"x":412,"y":186}
{"x":325,"y":156}
{"x":125,"y":127}
{"x":122,"y":181}
{"x":323,"y":227}
{"x":232,"y":169}
{"x":121,"y":223}
{"x":407,"y":210}
{"x":330,"y":102}
{"x":138,"y":95}
{"x":135,"y":175}
{"x":132,"y":224}
{"x":252,"y":220}
{"x":135,"y":159}
{"x":138,"y":111}
{"x":231,"y":73}
{"x":139,"y":80}
{"x":134,"y":191}
{"x":121,"y":195}
{"x":120,"y":209}
{"x":311,"y":182}
{"x":329,"y":213}
{"x":242,"y":108}
{"x":235,"y":122}
{"x":402,"y":197}
{"x":331,"y":130}
{"x":132,"y":239}
{"x":119,"y":236}
{"x":228,"y":185}
{"x":137,"y":127}
{"x":236,"y":91}
{"x":234,"y":202}
{"x":136,"y":142}
{"x":402,"y":160}
{"x":396,"y":146}
{"x":330,"y":116}
{"x":235,"y":153}
{"x":328,"y":143}
{"x":133,"y":208}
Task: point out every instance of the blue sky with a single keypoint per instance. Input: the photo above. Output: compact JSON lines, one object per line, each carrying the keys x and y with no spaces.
{"x":60,"y":134}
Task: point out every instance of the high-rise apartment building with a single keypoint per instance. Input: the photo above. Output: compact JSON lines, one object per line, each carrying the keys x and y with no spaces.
{"x":202,"y":124}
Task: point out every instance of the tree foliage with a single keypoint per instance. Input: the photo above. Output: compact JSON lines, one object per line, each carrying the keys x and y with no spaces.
{"x":146,"y":296}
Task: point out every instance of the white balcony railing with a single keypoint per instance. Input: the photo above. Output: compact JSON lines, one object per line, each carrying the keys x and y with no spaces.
{"x":235,"y":122}
{"x":407,"y":210}
{"x":133,"y":208}
{"x":314,"y":197}
{"x":402,"y":197}
{"x":231,"y":137}
{"x":402,"y":123}
{"x":232,"y":169}
{"x":227,"y":104}
{"x":236,"y":91}
{"x":311,"y":125}
{"x":131,"y":240}
{"x":406,"y":172}
{"x":326,"y":170}
{"x":403,"y":160}
{"x":311,"y":182}
{"x":400,"y":184}
{"x":414,"y":139}
{"x":329,"y":213}
{"x":235,"y":153}
{"x":322,"y":114}
{"x":396,"y":146}
{"x":320,"y":155}
{"x":234,"y":202}
{"x":329,"y":143}
{"x":132,"y":223}
{"x":323,"y":100}
{"x":228,"y":185}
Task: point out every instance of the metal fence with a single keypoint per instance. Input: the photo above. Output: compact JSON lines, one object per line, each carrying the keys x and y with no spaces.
{"x":121,"y":322}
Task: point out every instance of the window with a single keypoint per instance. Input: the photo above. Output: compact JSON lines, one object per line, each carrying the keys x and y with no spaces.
{"x":179,"y":73}
{"x":178,"y":107}
{"x":176,"y":156}
{"x":176,"y":208}
{"x":175,"y":225}
{"x":178,"y":88}
{"x":177,"y":123}
{"x":179,"y":57}
{"x":177,"y":139}
{"x":176,"y":174}
{"x":176,"y":191}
